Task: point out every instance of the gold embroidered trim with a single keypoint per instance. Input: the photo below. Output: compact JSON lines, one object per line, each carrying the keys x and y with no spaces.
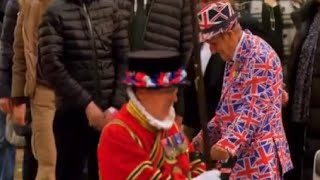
{"x":156,"y":176}
{"x":137,"y":171}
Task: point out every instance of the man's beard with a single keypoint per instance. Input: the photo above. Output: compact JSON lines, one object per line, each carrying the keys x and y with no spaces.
{"x":165,"y":123}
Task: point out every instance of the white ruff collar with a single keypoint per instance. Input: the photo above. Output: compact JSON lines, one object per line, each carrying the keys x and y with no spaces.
{"x":159,"y":124}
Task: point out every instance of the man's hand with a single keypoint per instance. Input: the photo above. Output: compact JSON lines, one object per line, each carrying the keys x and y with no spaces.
{"x":108,"y":116}
{"x":19,"y":114}
{"x":5,"y":105}
{"x":95,"y":116}
{"x":218,"y":153}
{"x":198,"y":143}
{"x":110,"y":113}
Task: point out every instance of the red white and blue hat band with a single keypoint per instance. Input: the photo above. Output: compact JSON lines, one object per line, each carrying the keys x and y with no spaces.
{"x":156,"y":80}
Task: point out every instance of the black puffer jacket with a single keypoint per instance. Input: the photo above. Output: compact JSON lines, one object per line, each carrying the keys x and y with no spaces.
{"x":168,"y":26}
{"x":83,"y":49}
{"x":6,"y":51}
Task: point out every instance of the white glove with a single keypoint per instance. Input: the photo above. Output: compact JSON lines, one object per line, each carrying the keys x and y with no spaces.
{"x":209,"y":175}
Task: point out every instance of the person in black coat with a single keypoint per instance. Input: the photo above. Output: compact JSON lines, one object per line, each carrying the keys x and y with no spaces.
{"x":302,"y":117}
{"x":83,"y":47}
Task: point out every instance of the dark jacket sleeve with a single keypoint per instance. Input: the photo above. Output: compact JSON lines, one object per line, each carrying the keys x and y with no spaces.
{"x":186,"y":48}
{"x":120,"y":48}
{"x":186,"y":36}
{"x":19,"y":67}
{"x":51,"y":62}
{"x":6,"y":49}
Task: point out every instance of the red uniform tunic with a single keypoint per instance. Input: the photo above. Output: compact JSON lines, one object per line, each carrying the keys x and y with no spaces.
{"x":130,"y":148}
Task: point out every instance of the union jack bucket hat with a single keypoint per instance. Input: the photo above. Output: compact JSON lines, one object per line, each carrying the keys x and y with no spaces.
{"x":216,"y":18}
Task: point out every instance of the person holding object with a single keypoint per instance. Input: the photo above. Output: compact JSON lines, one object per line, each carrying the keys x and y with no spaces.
{"x":212,"y":67}
{"x":33,"y":104}
{"x":143,"y":140}
{"x":247,"y":123}
{"x":83,"y":46}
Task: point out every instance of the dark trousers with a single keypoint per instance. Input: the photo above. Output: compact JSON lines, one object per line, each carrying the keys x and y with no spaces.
{"x":76,"y":144}
{"x":30,"y":164}
{"x":295,"y":135}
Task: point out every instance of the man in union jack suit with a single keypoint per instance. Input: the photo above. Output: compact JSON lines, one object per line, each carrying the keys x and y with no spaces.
{"x":248,"y":122}
{"x":143,"y":142}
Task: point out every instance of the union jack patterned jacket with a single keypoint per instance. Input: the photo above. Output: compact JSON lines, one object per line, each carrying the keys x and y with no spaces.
{"x":248,"y":119}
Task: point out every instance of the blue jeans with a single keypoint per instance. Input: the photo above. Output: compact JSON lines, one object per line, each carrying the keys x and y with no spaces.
{"x":7,"y":153}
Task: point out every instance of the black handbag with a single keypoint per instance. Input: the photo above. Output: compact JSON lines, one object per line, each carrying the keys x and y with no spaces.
{"x":26,"y":129}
